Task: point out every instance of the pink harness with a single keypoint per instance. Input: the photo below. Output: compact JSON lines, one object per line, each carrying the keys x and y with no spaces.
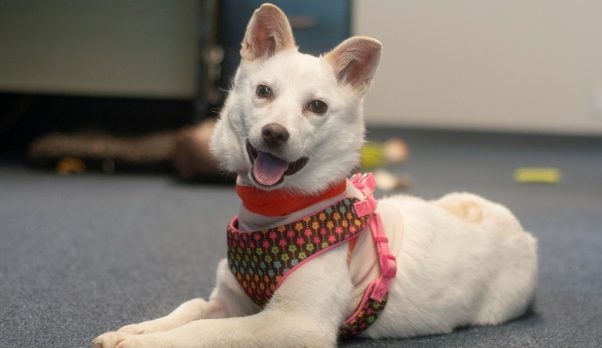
{"x":262,"y":260}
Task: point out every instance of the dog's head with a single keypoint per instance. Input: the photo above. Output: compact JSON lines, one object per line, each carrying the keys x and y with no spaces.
{"x":293,"y":120}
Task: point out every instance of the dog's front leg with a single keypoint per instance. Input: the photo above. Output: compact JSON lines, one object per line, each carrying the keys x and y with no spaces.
{"x":305,"y":311}
{"x":188,"y":311}
{"x":269,"y":328}
{"x":228,"y":299}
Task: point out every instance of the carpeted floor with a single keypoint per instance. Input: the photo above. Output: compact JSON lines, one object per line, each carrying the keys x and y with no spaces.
{"x":83,"y":254}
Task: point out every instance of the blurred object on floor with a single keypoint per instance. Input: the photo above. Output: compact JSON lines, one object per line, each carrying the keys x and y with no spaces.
{"x":191,"y":156}
{"x":70,"y":165}
{"x":103,"y":151}
{"x":186,"y":150}
{"x":374,"y":154}
{"x":388,"y":181}
{"x":537,"y":175}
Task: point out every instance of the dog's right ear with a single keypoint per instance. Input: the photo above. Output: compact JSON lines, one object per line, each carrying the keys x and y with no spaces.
{"x":268,"y":32}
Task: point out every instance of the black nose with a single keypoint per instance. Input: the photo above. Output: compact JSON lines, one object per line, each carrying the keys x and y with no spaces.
{"x":274,"y":134}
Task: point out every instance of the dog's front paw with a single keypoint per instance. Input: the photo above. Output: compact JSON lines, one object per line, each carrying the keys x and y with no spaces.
{"x":124,"y":340}
{"x":110,"y":339}
{"x":132,"y":343}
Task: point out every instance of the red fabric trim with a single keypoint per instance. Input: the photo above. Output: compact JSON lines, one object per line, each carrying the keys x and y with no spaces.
{"x":282,"y":202}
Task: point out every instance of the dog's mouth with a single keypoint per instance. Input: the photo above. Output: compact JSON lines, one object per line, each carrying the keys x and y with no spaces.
{"x":268,"y":170}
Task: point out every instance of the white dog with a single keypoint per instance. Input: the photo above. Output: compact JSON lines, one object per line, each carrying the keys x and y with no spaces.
{"x":292,"y":128}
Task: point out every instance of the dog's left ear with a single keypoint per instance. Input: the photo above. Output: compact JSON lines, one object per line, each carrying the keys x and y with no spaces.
{"x":267,"y":33}
{"x":354,"y":61}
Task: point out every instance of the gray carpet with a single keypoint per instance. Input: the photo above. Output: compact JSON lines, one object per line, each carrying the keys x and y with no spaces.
{"x":83,"y":254}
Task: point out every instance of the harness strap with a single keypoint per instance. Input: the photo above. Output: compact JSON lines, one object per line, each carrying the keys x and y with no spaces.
{"x":388,"y":263}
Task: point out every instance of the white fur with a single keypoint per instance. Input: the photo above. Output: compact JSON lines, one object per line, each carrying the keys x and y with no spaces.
{"x":463,"y":260}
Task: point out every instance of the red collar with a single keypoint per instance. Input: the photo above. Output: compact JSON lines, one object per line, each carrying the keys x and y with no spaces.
{"x":282,"y":202}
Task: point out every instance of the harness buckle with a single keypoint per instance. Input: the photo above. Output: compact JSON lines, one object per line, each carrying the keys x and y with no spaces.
{"x":365,"y":207}
{"x":364,"y":182}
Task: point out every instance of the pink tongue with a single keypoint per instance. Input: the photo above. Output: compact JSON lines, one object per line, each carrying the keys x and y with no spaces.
{"x":268,"y":170}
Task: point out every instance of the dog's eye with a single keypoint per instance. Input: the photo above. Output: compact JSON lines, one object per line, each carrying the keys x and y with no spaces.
{"x":263,"y":91}
{"x":317,"y":107}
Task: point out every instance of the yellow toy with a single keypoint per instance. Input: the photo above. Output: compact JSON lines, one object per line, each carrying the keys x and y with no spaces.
{"x":537,"y":175}
{"x":380,"y":154}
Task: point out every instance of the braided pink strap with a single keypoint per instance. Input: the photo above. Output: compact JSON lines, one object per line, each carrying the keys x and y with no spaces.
{"x":387,"y":261}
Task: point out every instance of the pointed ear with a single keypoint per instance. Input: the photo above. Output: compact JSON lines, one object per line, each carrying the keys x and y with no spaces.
{"x":268,"y":32}
{"x":354,"y":61}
